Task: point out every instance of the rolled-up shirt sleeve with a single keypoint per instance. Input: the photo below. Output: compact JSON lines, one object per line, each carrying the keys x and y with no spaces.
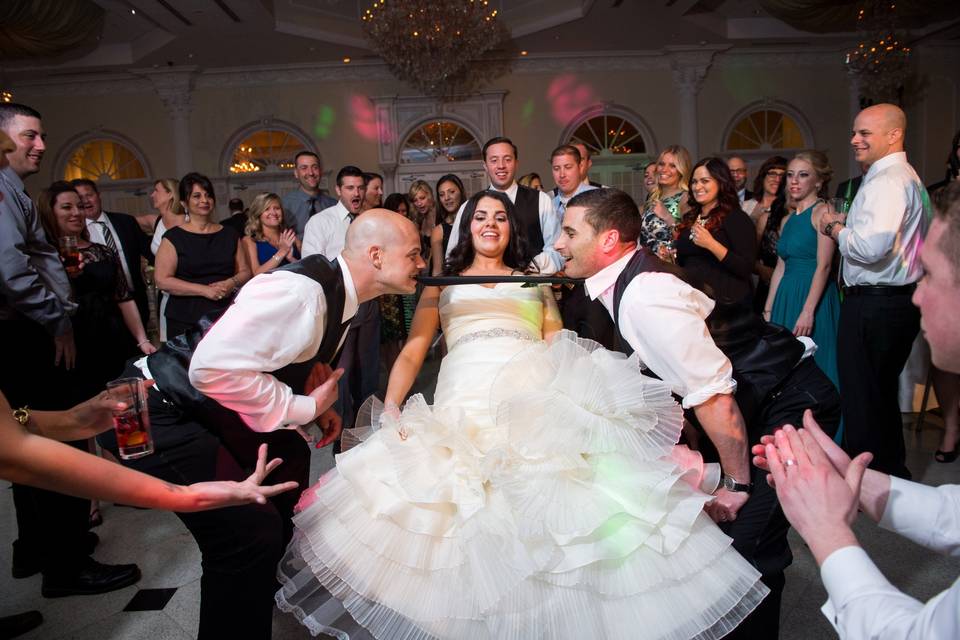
{"x":277,"y":319}
{"x":879,"y":218}
{"x":31,"y":276}
{"x":663,"y":319}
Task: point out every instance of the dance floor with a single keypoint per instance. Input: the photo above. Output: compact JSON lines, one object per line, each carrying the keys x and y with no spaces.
{"x":167,"y":598}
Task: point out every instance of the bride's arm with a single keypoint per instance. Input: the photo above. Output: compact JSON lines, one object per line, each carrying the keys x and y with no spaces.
{"x":426,"y":319}
{"x":552,"y":321}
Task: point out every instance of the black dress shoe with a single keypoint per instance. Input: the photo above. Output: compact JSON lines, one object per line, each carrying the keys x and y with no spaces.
{"x":18,"y":624}
{"x":26,"y":564}
{"x":90,"y":578}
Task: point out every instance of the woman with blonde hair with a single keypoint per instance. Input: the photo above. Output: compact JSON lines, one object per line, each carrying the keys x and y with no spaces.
{"x":170,"y":212}
{"x":668,"y":201}
{"x":425,"y":212}
{"x":266,"y":242}
{"x":803,"y":296}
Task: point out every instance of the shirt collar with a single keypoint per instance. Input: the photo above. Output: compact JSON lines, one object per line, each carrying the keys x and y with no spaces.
{"x":602,"y":280}
{"x":561,"y":199}
{"x":12,"y":177}
{"x":898,"y":157}
{"x":101,"y":218}
{"x":342,"y":211}
{"x":350,"y":302}
{"x":511,"y":191}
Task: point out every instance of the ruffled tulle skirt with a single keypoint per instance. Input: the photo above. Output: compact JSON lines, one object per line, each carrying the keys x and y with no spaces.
{"x":541,"y":496}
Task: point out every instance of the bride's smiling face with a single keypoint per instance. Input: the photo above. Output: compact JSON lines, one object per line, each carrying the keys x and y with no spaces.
{"x":490,"y":228}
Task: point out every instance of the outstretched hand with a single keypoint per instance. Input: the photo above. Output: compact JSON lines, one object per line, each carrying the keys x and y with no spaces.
{"x":223,"y":493}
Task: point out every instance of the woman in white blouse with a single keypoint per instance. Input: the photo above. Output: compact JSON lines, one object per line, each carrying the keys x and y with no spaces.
{"x":164,"y":200}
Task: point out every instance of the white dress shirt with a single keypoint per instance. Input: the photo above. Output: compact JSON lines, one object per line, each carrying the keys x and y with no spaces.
{"x":663,"y":319}
{"x":326,"y":232}
{"x":277,"y":319}
{"x":863,"y":604}
{"x":888,"y":220}
{"x":548,"y":261}
{"x":95,"y":228}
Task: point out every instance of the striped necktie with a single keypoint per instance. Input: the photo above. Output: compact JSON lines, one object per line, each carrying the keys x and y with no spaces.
{"x":108,"y":238}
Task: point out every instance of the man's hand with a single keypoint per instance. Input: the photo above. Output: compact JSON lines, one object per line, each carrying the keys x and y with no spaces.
{"x":837,"y":456}
{"x":66,"y":350}
{"x":725,"y":505}
{"x":818,"y":501}
{"x":326,"y":394}
{"x":213,"y":495}
{"x":317,"y":376}
{"x":330,"y":425}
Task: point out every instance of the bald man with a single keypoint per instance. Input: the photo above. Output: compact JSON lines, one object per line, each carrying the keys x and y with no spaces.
{"x":880,"y":245}
{"x":223,"y":389}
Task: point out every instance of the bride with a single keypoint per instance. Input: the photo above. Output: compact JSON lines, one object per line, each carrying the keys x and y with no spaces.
{"x":540,"y":496}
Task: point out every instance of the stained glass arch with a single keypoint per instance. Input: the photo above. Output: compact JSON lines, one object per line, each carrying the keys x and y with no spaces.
{"x":768,"y":126}
{"x":103,"y":157}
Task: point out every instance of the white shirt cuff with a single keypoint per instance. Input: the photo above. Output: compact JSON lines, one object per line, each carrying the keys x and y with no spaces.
{"x":698,"y":397}
{"x":908,"y":502}
{"x":301,"y":410}
{"x":848,"y":572}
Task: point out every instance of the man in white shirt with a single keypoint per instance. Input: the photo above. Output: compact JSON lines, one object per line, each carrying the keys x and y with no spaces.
{"x":220,"y":395}
{"x":738,"y":169}
{"x":879,"y":245}
{"x":360,"y":357}
{"x":120,"y":232}
{"x":821,"y":489}
{"x":540,"y":223}
{"x":707,"y":357}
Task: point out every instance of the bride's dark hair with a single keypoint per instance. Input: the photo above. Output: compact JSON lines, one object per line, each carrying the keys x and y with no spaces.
{"x":516,"y":255}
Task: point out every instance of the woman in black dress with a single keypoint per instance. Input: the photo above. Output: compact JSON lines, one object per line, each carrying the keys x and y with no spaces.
{"x":716,"y":242}
{"x":107,"y":328}
{"x":201,"y":263}
{"x":449,"y":198}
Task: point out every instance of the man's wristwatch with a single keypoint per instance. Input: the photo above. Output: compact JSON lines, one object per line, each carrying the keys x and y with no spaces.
{"x":828,"y":230}
{"x":730,"y":484}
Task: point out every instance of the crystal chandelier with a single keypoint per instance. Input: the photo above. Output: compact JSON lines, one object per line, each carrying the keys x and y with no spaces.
{"x":437,"y":45}
{"x":880,"y":59}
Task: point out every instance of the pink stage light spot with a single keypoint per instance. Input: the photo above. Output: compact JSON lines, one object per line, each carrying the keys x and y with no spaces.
{"x":365,"y":120}
{"x":568,"y":96}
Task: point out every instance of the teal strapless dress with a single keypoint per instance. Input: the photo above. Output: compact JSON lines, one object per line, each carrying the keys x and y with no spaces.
{"x":798,"y":250}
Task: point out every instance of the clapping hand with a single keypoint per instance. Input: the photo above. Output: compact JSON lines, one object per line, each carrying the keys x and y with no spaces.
{"x":837,"y":456}
{"x":288,"y":239}
{"x":701,"y":236}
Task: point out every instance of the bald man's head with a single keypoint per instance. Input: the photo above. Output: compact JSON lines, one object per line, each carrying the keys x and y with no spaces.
{"x":878,"y":131}
{"x":383,"y":251}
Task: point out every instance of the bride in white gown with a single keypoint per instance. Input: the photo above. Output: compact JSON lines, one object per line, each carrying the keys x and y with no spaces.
{"x":540,"y":496}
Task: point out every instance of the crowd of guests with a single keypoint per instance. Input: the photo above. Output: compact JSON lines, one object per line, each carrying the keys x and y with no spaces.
{"x":75,"y":306}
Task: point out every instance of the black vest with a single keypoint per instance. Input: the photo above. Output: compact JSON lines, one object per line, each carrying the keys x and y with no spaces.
{"x":762,"y":354}
{"x":528,"y":210}
{"x":170,"y":364}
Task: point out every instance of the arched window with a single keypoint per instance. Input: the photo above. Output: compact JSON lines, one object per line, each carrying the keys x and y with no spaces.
{"x":620,"y":142}
{"x":439,"y":141}
{"x":768,"y":126}
{"x":104,"y":159}
{"x":266,"y":150}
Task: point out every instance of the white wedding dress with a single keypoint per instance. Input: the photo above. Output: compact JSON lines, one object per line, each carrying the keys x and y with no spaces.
{"x":539,"y":497}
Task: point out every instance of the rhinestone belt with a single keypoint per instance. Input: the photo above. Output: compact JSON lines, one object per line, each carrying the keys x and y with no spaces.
{"x":494,"y":333}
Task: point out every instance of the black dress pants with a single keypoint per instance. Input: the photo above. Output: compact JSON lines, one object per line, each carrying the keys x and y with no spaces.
{"x":874,"y":340}
{"x":241,"y":546}
{"x":51,"y":527}
{"x":760,"y":531}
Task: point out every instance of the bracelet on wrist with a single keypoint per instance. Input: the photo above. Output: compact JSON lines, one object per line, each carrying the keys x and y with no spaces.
{"x":278,"y":257}
{"x":143,"y":342}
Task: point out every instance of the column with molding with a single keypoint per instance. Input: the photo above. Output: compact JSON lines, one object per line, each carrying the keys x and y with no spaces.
{"x":689,"y":66}
{"x":175,"y":89}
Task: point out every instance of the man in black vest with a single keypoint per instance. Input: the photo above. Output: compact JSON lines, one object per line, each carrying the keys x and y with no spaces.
{"x":539,"y":222}
{"x":739,"y":377}
{"x":250,"y":378}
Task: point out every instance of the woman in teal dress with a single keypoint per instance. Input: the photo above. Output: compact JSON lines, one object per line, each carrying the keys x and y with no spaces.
{"x":803,"y":293}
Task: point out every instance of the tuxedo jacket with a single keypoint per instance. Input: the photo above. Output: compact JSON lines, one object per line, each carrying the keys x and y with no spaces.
{"x":135,"y":243}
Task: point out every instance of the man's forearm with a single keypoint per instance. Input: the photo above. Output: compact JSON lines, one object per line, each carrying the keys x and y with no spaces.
{"x":721,"y":419}
{"x":874,"y":492}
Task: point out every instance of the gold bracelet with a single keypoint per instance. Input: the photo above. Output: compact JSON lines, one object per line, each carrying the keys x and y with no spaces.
{"x":22,"y":415}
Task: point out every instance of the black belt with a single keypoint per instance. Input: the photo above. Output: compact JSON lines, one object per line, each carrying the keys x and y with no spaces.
{"x":879,"y":290}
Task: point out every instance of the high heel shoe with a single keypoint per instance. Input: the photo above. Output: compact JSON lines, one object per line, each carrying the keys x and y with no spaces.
{"x":945,"y":457}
